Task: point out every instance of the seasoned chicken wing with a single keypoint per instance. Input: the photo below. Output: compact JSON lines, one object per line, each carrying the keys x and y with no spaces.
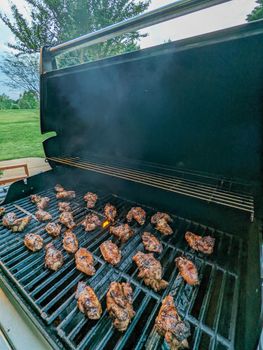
{"x":64,"y":206}
{"x":187,"y":270}
{"x":119,"y":305}
{"x":161,"y":221}
{"x":91,"y":222}
{"x":91,"y":199}
{"x":150,"y":270}
{"x":41,"y":202}
{"x":70,"y":242}
{"x":54,"y":258}
{"x":2,"y":211}
{"x":33,"y":242}
{"x":201,"y":244}
{"x":169,"y":324}
{"x":110,"y":212}
{"x":66,"y":218}
{"x":35,"y":198}
{"x":88,"y":302}
{"x":85,"y":262}
{"x":42,"y":215}
{"x":11,"y":221}
{"x":58,"y":188}
{"x":66,"y":195}
{"x":151,"y":243}
{"x":138,"y":214}
{"x":53,"y":229}
{"x":110,"y":252}
{"x":123,"y":232}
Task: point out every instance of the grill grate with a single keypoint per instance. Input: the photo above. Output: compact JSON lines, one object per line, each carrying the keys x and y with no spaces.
{"x":210,"y":308}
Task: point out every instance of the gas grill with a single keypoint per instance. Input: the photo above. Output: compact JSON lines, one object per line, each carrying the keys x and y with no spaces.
{"x":174,"y":128}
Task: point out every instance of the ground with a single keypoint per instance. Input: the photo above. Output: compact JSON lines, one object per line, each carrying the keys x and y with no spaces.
{"x":20,"y":134}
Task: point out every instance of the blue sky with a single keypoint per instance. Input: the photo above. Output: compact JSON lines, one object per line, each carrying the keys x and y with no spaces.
{"x":222,"y":16}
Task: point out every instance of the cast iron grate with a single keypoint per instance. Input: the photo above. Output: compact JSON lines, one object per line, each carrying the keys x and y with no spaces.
{"x":211,"y":308}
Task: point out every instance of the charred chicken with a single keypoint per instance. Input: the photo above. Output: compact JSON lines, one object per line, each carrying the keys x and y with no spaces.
{"x":91,"y":222}
{"x":85,"y":262}
{"x":66,"y":218}
{"x":201,"y":244}
{"x":91,"y":199}
{"x":70,"y":242}
{"x":169,"y":324}
{"x":151,"y":243}
{"x":161,"y":222}
{"x":54,"y":258}
{"x":119,"y":305}
{"x":123,"y":232}
{"x":66,"y":195}
{"x":88,"y":303}
{"x":64,"y":206}
{"x":42,"y":215}
{"x":187,"y":270}
{"x":110,"y":252}
{"x":53,"y":229}
{"x":138,"y":214}
{"x":16,"y":225}
{"x":150,"y":270}
{"x":110,"y":212}
{"x":33,"y":242}
{"x":59,"y":188}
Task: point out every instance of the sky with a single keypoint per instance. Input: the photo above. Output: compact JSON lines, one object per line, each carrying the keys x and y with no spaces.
{"x":217,"y":17}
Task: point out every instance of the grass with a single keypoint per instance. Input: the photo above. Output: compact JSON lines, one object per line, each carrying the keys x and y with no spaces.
{"x":20,"y":135}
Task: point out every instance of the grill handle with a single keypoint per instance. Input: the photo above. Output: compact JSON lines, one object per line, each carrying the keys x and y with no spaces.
{"x":162,"y":14}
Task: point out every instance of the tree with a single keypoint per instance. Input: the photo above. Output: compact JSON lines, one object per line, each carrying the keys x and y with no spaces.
{"x":28,"y":100}
{"x":22,"y":71}
{"x":257,"y":13}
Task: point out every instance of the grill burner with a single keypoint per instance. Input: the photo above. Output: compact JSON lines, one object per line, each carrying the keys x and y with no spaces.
{"x":210,"y":308}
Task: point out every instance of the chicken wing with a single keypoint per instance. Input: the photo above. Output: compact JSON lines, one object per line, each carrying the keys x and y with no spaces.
{"x":54,"y":258}
{"x":33,"y":242}
{"x":150,"y":270}
{"x":187,"y":270}
{"x":66,"y":195}
{"x":110,"y":212}
{"x":53,"y":229}
{"x":88,"y":302}
{"x":110,"y":252}
{"x":59,"y":188}
{"x":66,"y":218}
{"x":162,"y":220}
{"x":169,"y":324}
{"x":123,"y":232}
{"x":91,"y":199}
{"x":201,"y":244}
{"x":70,"y":242}
{"x":138,"y":214}
{"x":64,"y":206}
{"x":41,"y":202}
{"x":42,"y":215}
{"x":91,"y":222}
{"x":85,"y":262}
{"x":2,"y":211}
{"x":11,"y":221}
{"x":119,"y":305}
{"x":151,"y":243}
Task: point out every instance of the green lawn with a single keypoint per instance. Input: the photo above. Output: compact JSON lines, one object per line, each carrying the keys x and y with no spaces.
{"x":20,"y":134}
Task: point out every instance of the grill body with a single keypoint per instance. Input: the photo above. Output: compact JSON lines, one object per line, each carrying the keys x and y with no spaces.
{"x":190,"y":108}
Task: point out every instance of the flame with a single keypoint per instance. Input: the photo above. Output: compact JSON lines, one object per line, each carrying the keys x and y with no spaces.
{"x":105,"y":223}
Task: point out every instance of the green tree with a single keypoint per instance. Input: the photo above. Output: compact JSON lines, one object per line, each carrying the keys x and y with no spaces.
{"x":257,"y":13}
{"x":28,"y":100}
{"x":6,"y":102}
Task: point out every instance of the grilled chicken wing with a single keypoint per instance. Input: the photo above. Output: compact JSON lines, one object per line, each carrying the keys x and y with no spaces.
{"x":91,"y":199}
{"x":66,"y":218}
{"x":110,"y":212}
{"x":151,"y":243}
{"x":58,"y":188}
{"x":16,"y":225}
{"x":161,"y":220}
{"x":66,"y":195}
{"x":41,"y":202}
{"x":110,"y":252}
{"x":138,"y":214}
{"x":150,"y":270}
{"x":119,"y":305}
{"x":42,"y":215}
{"x":169,"y":324}
{"x":88,"y":303}
{"x":64,"y":206}
{"x":35,"y":198}
{"x":123,"y":232}
{"x":91,"y":221}
{"x":53,"y":229}
{"x":85,"y":262}
{"x":2,"y":211}
{"x":9,"y":219}
{"x":187,"y":270}
{"x":201,"y":244}
{"x":70,"y":242}
{"x":54,"y":258}
{"x":33,"y":242}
